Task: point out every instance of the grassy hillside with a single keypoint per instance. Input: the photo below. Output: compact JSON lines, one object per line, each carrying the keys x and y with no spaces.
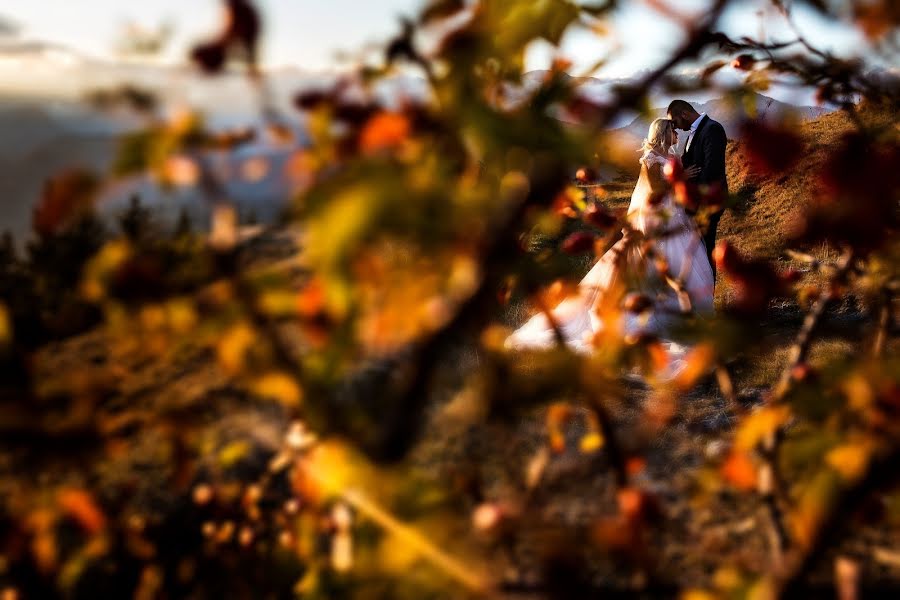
{"x":763,"y":211}
{"x":760,"y":221}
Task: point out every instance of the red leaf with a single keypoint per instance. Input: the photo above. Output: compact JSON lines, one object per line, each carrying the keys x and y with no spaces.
{"x":578,"y":243}
{"x":64,"y":197}
{"x":856,"y":205}
{"x":770,"y":149}
{"x":80,"y":506}
{"x":585,"y":175}
{"x":637,"y":303}
{"x":754,"y":282}
{"x":673,"y":169}
{"x":598,"y":216}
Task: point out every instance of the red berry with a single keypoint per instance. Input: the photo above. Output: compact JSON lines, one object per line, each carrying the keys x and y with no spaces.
{"x":598,"y":216}
{"x":673,"y":169}
{"x":585,"y":175}
{"x":744,"y":62}
{"x":636,"y":303}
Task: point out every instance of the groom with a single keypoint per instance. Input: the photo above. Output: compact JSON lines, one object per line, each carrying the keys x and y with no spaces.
{"x":705,"y":148}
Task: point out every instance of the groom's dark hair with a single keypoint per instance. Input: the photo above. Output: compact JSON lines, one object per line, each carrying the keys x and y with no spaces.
{"x":676,"y":106}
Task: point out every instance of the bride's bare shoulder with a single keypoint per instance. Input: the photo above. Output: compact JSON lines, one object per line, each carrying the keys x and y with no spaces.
{"x":650,"y":158}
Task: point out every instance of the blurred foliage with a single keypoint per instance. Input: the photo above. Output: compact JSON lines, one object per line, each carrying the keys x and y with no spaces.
{"x":424,"y":226}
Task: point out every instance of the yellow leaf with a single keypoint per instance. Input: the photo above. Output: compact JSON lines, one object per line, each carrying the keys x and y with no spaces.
{"x":152,"y":317}
{"x":233,"y":452}
{"x":591,"y":442}
{"x":858,"y":391}
{"x":233,"y":347}
{"x":329,"y":469}
{"x":181,"y":315}
{"x":395,"y":555}
{"x":92,"y":290}
{"x":760,"y":424}
{"x":101,"y":267}
{"x":816,"y":499}
{"x":278,"y":303}
{"x":6,"y":327}
{"x":279,"y":386}
{"x":850,"y":460}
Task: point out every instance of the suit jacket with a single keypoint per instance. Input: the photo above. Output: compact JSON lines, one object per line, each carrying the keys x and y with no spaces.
{"x":707,"y":150}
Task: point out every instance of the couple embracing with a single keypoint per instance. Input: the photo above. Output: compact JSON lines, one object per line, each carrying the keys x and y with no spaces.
{"x":664,"y":257}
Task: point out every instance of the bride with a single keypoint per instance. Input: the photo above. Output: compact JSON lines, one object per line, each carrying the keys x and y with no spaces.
{"x":659,"y":264}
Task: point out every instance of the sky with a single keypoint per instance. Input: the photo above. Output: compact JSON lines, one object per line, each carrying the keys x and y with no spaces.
{"x":309,"y":34}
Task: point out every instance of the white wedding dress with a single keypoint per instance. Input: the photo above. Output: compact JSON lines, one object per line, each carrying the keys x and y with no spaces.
{"x":632,"y":266}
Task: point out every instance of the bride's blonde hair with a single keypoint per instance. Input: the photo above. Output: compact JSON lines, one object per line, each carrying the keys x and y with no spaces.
{"x":656,"y":136}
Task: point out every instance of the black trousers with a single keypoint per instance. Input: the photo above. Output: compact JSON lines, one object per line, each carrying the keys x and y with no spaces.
{"x":709,"y":238}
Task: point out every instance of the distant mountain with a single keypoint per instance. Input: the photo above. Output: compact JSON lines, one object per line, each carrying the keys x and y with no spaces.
{"x":635,"y":126}
{"x":731,"y":115}
{"x":39,"y":140}
{"x":42,"y":137}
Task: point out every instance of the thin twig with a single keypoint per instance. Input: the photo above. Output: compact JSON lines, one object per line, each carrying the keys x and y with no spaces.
{"x":803,"y":342}
{"x":884,"y":318}
{"x":881,"y":472}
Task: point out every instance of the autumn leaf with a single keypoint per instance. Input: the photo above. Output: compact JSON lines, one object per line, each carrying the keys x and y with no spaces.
{"x":6,"y":326}
{"x":739,"y":471}
{"x":696,"y":364}
{"x":79,"y":504}
{"x":384,"y":131}
{"x":440,"y":9}
{"x":279,"y":386}
{"x":591,"y":442}
{"x":759,"y":425}
{"x":234,"y":346}
{"x":771,"y":149}
{"x":578,"y":243}
{"x":850,"y":459}
{"x":64,"y":198}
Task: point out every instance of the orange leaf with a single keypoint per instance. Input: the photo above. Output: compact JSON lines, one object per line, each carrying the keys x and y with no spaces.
{"x":697,"y":362}
{"x":631,"y":502}
{"x":79,"y":505}
{"x":740,"y":471}
{"x":311,"y":299}
{"x":384,"y":131}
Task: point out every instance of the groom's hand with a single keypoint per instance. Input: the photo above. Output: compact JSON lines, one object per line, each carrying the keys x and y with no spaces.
{"x":691,"y":172}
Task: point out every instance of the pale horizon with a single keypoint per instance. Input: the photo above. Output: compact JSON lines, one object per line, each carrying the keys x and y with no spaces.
{"x":39,"y":38}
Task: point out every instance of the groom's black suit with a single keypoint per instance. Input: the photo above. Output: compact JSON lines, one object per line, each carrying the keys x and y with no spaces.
{"x":707,"y":151}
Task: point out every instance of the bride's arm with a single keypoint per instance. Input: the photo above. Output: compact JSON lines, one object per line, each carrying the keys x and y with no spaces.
{"x":658,"y":182}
